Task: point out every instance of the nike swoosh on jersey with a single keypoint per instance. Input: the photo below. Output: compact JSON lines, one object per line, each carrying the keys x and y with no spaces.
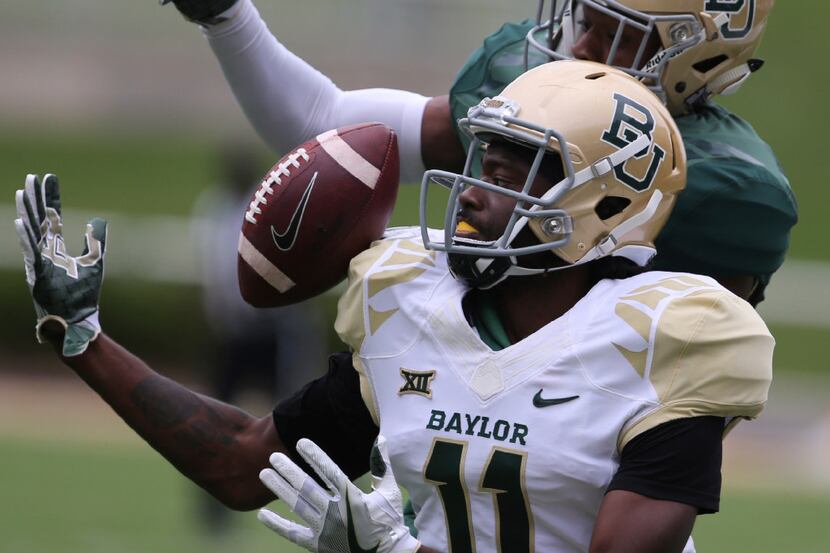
{"x":353,"y":545}
{"x":539,"y":401}
{"x":285,"y":240}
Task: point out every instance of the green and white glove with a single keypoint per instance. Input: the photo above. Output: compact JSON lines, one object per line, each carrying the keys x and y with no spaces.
{"x":64,"y":289}
{"x":343,"y":518}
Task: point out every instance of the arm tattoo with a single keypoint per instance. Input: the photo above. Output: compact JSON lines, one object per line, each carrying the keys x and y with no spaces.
{"x":163,"y":404}
{"x":196,"y":422}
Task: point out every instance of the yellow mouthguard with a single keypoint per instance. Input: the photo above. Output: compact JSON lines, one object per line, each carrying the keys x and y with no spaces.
{"x":466,"y":227}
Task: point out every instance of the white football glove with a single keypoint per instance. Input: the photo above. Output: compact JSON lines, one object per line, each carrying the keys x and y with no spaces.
{"x":65,"y":289}
{"x":341,"y":519}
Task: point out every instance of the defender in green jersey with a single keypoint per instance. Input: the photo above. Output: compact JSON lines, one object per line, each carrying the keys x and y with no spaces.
{"x":733,"y":220}
{"x":732,"y":223}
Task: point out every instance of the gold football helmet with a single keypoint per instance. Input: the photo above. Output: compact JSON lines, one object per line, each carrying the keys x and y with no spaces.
{"x":706,"y":47}
{"x":618,"y":146}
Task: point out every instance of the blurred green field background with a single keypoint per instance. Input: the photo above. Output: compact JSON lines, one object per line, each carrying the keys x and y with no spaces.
{"x":89,"y":495}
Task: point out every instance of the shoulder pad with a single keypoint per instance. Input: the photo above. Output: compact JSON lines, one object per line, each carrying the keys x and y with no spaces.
{"x":708,"y":352}
{"x":372,"y":294}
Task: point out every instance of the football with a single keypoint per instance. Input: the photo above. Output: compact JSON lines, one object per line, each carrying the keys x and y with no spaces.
{"x":316,"y":209}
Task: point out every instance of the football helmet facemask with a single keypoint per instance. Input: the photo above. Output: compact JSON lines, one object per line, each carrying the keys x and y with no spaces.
{"x":706,"y":46}
{"x":615,"y":139}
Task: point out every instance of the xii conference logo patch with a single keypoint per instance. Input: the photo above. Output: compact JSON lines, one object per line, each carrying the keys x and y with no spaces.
{"x":417,"y":382}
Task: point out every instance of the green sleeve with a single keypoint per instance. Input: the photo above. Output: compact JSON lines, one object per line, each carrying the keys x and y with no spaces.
{"x":490,"y":68}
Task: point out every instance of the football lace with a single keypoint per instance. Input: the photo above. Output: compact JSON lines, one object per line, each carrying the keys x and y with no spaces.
{"x":274,"y":177}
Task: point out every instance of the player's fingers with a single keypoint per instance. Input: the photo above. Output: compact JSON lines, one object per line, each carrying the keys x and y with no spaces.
{"x":322,"y":464}
{"x":31,"y":254}
{"x":28,"y":243}
{"x":52,"y":192}
{"x":280,"y":486}
{"x":95,"y":242}
{"x":291,"y":531}
{"x":99,"y":230}
{"x":380,"y":467}
{"x":34,"y":191}
{"x":309,"y":492}
{"x":26,"y":212}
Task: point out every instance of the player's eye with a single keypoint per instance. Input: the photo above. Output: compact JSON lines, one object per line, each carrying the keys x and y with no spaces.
{"x":509,"y":183}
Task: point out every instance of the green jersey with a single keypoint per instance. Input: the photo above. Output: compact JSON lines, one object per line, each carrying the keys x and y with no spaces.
{"x":735,"y":215}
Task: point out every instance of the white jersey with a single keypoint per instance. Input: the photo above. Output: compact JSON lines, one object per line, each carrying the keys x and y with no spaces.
{"x":513,"y":450}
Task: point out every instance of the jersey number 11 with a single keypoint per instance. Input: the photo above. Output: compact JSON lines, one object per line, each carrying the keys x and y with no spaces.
{"x":503,"y":477}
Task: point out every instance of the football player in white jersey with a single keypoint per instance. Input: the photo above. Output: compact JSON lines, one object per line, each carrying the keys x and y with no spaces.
{"x":539,"y":400}
{"x":538,"y":391}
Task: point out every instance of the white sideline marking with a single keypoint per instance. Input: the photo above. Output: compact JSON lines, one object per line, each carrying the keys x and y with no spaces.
{"x":348,"y":159}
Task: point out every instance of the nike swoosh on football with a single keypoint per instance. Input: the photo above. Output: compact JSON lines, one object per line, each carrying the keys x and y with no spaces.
{"x":539,"y":401}
{"x":353,"y":545}
{"x":285,"y":240}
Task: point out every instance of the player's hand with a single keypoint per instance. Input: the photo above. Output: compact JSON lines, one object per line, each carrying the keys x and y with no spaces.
{"x":65,"y":289}
{"x":205,"y":12}
{"x":341,"y":519}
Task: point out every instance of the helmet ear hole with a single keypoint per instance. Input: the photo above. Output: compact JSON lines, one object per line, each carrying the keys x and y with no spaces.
{"x":708,"y":64}
{"x":610,"y":206}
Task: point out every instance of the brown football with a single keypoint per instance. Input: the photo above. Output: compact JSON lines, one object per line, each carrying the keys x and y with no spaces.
{"x":316,"y":209}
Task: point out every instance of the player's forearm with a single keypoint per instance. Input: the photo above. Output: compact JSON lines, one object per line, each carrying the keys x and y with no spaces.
{"x":257,"y":68}
{"x":212,"y":443}
{"x":288,"y":101}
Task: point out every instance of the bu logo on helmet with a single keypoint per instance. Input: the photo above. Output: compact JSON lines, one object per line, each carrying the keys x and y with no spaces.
{"x":733,"y":8}
{"x":632,"y":119}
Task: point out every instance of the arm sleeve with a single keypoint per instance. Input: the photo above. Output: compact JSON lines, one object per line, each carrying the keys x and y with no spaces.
{"x":288,"y":102}
{"x":330,"y":412}
{"x":676,"y":461}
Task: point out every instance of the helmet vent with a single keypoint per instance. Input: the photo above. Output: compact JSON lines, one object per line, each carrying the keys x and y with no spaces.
{"x":610,"y":206}
{"x":595,"y":76}
{"x":708,"y":64}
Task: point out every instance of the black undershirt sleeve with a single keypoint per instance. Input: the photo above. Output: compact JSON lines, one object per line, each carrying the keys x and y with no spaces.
{"x":330,"y":412}
{"x":677,"y":461}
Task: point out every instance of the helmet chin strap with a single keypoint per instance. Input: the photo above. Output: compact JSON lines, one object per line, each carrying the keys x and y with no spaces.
{"x":609,"y":243}
{"x":730,"y":81}
{"x":566,"y":31}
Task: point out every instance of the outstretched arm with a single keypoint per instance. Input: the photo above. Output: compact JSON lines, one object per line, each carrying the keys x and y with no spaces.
{"x":288,"y":102}
{"x":219,"y":447}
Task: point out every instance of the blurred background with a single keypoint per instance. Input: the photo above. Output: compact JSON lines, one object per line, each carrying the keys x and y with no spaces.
{"x":125,"y":102}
